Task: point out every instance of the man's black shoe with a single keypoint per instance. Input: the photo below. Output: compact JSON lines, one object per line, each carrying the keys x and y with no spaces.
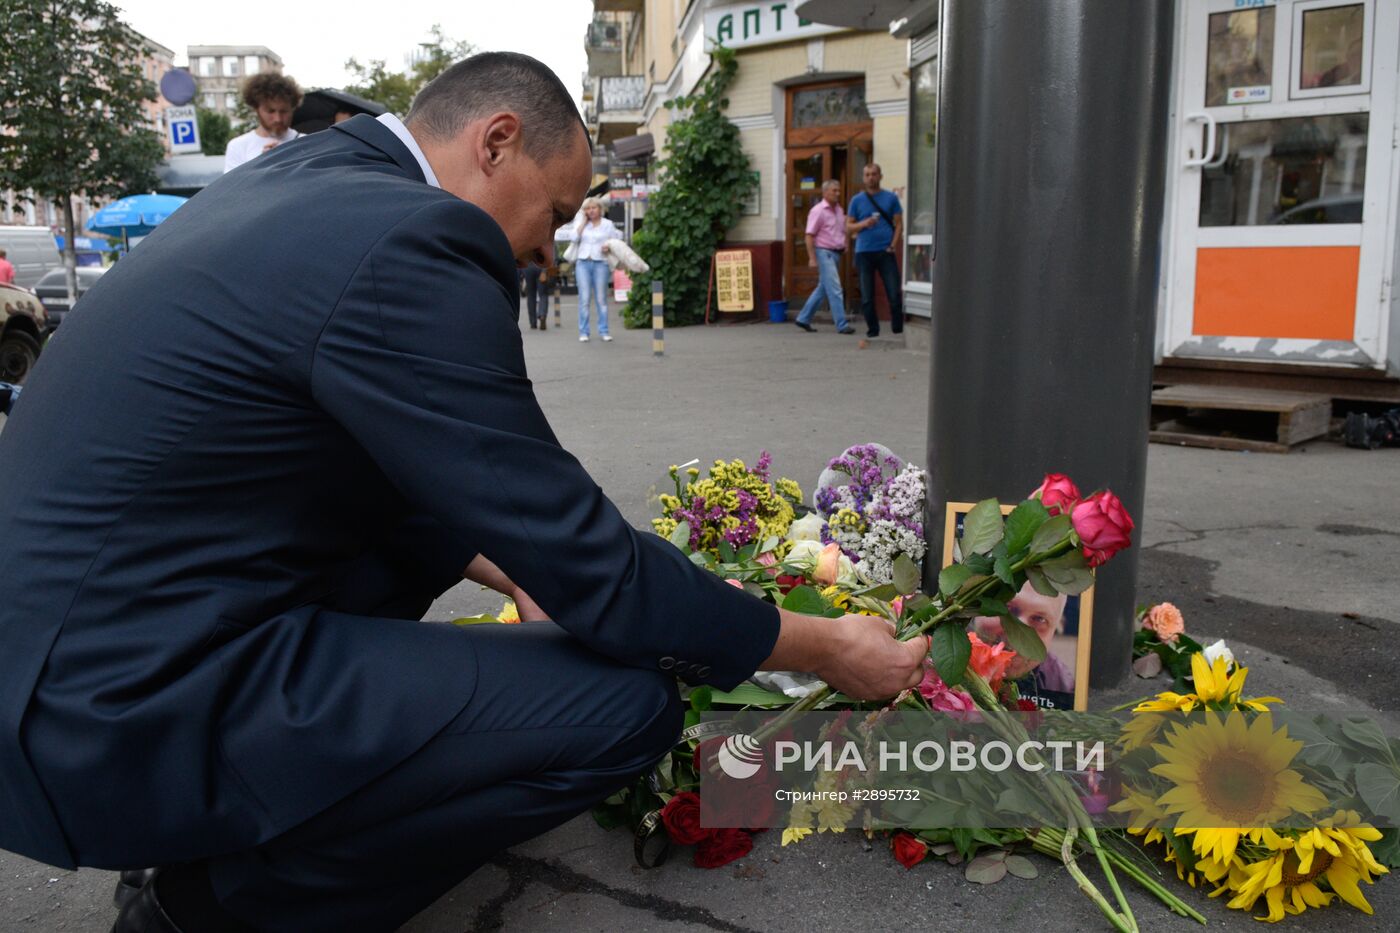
{"x":143,"y":914}
{"x":870,"y":336}
{"x":807,"y":327}
{"x":130,"y":883}
{"x":847,"y":330}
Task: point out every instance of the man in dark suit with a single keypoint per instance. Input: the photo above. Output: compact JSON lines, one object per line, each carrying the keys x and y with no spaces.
{"x":283,"y":425}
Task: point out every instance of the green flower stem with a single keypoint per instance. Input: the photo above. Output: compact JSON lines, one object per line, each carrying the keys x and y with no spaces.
{"x":1049,"y":841}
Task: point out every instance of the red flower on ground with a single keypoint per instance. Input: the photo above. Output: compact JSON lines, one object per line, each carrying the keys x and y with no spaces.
{"x":722,"y":847}
{"x":681,"y":817}
{"x":908,"y":849}
{"x":1103,"y":525}
{"x":1057,"y":493}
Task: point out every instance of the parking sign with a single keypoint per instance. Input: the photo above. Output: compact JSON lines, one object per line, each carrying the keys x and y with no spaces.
{"x":183,"y":126}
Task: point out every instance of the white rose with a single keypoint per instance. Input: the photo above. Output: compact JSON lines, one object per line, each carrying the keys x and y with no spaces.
{"x":807,"y":528}
{"x":846,"y":574}
{"x":1219,"y":650}
{"x":804,"y":555}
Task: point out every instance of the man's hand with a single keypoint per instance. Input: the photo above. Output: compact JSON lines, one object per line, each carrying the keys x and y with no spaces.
{"x":857,"y":655}
{"x":812,"y":262}
{"x":269,"y":146}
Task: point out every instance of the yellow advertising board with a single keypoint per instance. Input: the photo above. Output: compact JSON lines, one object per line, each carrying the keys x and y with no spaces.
{"x":734,"y":279}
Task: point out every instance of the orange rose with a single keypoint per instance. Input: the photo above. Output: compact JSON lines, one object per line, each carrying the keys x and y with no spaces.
{"x":828,"y":565}
{"x":1165,"y":619}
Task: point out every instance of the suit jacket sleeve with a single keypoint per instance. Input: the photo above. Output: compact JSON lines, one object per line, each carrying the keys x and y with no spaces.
{"x":421,"y":362}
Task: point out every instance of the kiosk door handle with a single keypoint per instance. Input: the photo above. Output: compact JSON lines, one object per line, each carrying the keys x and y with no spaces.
{"x":1201,"y":116}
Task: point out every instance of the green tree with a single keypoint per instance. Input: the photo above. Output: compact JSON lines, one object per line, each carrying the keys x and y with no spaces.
{"x":215,"y":130}
{"x":71,"y":90}
{"x":396,"y":89}
{"x":705,"y":180}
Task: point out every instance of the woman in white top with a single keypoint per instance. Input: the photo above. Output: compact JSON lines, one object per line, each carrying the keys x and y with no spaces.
{"x":591,"y":265}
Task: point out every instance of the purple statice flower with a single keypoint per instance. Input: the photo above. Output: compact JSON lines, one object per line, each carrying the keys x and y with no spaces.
{"x":760,"y":469}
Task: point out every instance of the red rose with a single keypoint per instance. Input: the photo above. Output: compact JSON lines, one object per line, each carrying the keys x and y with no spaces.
{"x":730,"y":803}
{"x":722,"y":847}
{"x":908,"y":850}
{"x":786,"y":581}
{"x":1103,"y":525}
{"x":1057,"y":493}
{"x":681,"y":817}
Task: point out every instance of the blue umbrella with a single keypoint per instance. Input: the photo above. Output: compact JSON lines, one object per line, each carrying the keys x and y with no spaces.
{"x":134,"y":216}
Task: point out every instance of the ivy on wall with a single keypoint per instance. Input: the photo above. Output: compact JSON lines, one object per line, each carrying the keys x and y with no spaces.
{"x":705,"y":179}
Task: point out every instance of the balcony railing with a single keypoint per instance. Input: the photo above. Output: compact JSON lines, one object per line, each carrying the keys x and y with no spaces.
{"x":622,"y":94}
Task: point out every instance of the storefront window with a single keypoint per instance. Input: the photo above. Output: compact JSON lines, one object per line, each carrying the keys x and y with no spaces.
{"x":1333,"y":46}
{"x":1302,"y":170}
{"x":1240,"y":58}
{"x":829,"y":106}
{"x":923,"y":168}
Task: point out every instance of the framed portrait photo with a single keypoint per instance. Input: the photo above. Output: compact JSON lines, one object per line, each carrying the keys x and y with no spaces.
{"x":1064,"y":623}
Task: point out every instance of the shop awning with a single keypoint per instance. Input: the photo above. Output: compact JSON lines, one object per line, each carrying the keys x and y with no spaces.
{"x":634,"y":147}
{"x":901,"y":18}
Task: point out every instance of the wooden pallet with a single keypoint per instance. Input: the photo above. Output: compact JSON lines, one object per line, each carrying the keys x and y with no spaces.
{"x":1236,"y":418}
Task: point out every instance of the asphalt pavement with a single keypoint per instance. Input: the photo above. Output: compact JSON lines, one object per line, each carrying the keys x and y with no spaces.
{"x":1292,"y":558}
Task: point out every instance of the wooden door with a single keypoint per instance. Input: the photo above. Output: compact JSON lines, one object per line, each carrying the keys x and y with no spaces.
{"x":807,"y":168}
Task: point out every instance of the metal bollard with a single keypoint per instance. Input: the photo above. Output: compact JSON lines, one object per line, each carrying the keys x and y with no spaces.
{"x":658,"y":319}
{"x":558,"y":291}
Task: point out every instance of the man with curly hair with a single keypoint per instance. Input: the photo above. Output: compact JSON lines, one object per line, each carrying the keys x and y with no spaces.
{"x":273,"y":98}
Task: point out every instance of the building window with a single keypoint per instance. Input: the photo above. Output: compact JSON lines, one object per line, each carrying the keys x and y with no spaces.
{"x":230,"y":101}
{"x":230,"y":66}
{"x":207,"y":67}
{"x":830,"y":106}
{"x":923,"y":166}
{"x":250,"y":65}
{"x":210,"y":101}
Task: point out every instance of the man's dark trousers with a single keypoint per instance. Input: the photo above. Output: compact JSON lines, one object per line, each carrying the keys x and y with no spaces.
{"x":867,"y":265}
{"x":551,"y":729}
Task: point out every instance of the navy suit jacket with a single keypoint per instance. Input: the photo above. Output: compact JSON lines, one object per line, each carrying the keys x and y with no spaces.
{"x":266,"y":440}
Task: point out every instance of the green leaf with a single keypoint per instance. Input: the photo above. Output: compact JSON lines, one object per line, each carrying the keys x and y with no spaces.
{"x":1050,"y":534}
{"x":1040,"y":583}
{"x":681,"y":536}
{"x":951,"y":652}
{"x":747,"y":694}
{"x":906,"y":575}
{"x":701,"y":698}
{"x":804,"y":600}
{"x":476,"y":620}
{"x":1367,"y":734}
{"x":982,"y":528}
{"x":1069,"y":573}
{"x":984,"y":870}
{"x":1021,"y":867}
{"x":988,"y":606}
{"x":1379,"y":787}
{"x":753,"y":589}
{"x":884,"y":592}
{"x":1022,"y":524}
{"x":979,"y":564}
{"x":726,"y":552}
{"x":1022,"y":638}
{"x":1002,"y":569}
{"x":951,"y":579}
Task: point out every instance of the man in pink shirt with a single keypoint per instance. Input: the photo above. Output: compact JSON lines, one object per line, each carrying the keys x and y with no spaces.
{"x":7,"y":269}
{"x":826,"y":241}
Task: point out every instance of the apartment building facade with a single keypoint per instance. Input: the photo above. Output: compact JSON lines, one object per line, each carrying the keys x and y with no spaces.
{"x":219,"y":72}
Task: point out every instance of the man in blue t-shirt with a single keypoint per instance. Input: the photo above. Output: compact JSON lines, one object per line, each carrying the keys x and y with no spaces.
{"x":877,"y":220}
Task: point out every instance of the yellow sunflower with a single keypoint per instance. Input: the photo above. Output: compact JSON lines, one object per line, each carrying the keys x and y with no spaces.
{"x":1216,"y":688}
{"x":1294,"y":867}
{"x":1230,"y":775}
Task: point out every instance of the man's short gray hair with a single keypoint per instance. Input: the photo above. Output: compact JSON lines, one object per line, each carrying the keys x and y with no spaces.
{"x":830,"y":183}
{"x":491,"y":82}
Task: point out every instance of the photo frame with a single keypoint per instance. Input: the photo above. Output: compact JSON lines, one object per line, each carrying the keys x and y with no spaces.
{"x":1062,"y":681}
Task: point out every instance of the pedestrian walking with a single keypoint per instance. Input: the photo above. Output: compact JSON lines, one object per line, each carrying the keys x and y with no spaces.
{"x":534,"y":279}
{"x":877,"y":220}
{"x":826,"y":242}
{"x":7,"y":269}
{"x":593,"y":233}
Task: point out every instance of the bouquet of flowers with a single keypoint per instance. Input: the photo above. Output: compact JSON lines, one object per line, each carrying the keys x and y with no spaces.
{"x":733,"y":507}
{"x":873,"y":504}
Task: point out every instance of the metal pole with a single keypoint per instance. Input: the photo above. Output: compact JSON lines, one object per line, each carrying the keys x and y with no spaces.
{"x":658,"y":319}
{"x":1052,"y":152}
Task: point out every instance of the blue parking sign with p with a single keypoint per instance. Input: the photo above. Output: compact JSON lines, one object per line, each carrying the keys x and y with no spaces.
{"x":183,"y":124}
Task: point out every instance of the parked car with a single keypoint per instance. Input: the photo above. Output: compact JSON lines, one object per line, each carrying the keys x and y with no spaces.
{"x":31,"y":250}
{"x":53,"y":290}
{"x":23,"y":323}
{"x":1338,"y":209}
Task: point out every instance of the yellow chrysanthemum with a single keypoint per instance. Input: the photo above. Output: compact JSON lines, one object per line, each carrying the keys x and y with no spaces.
{"x":795,"y":834}
{"x":1145,"y":817}
{"x":509,"y":614}
{"x":832,"y":815}
{"x":1230,"y":775}
{"x":1290,"y":876}
{"x":1216,"y":689}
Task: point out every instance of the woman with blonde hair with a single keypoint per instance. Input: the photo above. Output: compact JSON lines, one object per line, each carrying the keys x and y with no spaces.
{"x":591,"y":266}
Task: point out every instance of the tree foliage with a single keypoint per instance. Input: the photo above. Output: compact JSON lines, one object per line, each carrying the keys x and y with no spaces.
{"x":396,"y":89}
{"x":71,"y":90}
{"x":215,"y":130}
{"x":705,"y":179}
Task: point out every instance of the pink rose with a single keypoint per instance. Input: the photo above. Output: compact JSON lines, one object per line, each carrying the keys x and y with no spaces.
{"x":1057,"y":493}
{"x":940,"y":696}
{"x":1103,"y":525}
{"x":897,"y":606}
{"x":735,"y":583}
{"x":1165,"y":619}
{"x":767,"y":559}
{"x":828,"y":565}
